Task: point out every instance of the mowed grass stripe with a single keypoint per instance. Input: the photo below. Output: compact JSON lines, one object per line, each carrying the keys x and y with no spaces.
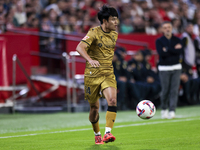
{"x":119,"y":126}
{"x":34,"y":123}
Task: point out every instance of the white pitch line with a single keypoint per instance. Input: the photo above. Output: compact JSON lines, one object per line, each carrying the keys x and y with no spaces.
{"x":120,"y":126}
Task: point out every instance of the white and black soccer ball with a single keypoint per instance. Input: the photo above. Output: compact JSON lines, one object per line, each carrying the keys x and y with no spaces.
{"x":145,"y":109}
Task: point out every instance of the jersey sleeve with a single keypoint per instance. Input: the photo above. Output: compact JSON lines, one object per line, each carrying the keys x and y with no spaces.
{"x":89,"y":38}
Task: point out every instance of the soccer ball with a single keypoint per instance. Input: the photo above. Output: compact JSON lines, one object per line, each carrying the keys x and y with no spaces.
{"x":145,"y":109}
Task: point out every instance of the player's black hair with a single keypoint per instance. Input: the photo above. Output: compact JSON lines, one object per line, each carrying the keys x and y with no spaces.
{"x":166,"y":22}
{"x":106,"y":12}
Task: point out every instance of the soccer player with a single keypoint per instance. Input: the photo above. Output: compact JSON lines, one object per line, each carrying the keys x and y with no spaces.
{"x":97,"y":47}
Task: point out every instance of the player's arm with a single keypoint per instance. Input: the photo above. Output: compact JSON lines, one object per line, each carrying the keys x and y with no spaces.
{"x":81,"y":49}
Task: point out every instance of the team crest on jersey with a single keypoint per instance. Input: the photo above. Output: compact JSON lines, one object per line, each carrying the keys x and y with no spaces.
{"x":86,"y":37}
{"x":99,"y":44}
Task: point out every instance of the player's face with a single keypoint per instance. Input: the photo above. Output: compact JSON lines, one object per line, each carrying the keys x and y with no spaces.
{"x":167,"y":29}
{"x":112,"y":23}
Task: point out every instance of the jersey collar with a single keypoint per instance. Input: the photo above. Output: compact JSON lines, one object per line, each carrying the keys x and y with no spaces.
{"x":104,"y":31}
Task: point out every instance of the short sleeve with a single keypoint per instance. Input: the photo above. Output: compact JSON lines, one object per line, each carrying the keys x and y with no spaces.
{"x":89,"y":38}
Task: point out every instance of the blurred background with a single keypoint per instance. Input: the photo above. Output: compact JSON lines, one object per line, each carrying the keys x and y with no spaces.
{"x":41,"y":72}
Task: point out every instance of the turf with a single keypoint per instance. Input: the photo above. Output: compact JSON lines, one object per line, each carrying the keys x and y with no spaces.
{"x":63,"y":131}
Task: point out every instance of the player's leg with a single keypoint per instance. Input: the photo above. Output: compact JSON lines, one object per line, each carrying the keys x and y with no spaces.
{"x":110,"y":94}
{"x":94,"y":116}
{"x":92,"y":88}
{"x":94,"y":119}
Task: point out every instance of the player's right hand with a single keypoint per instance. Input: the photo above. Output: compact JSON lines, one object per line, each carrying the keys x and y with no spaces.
{"x":94,"y":63}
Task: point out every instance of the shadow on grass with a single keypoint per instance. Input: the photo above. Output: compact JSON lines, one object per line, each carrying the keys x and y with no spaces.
{"x":108,"y":147}
{"x":103,"y":147}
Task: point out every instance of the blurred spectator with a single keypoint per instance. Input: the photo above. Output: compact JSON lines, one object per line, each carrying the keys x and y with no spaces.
{"x":197,"y":48}
{"x":188,"y":47}
{"x":136,"y":10}
{"x":52,"y":15}
{"x":62,"y":26}
{"x":173,"y":11}
{"x":134,"y":66}
{"x":163,"y":9}
{"x":155,"y":18}
{"x":152,"y":77}
{"x":44,"y":27}
{"x":143,"y":4}
{"x":2,"y":24}
{"x":58,"y":7}
{"x":176,"y":26}
{"x":196,"y":21}
{"x":185,"y":15}
{"x":169,"y":49}
{"x":127,"y":26}
{"x":120,"y":71}
{"x":73,"y":28}
{"x":144,"y":83}
{"x":20,"y":15}
{"x":35,"y":23}
{"x":30,"y":18}
{"x":9,"y":20}
{"x":2,"y":10}
{"x":189,"y":84}
{"x":143,"y":16}
{"x":149,"y":29}
{"x":139,"y":25}
{"x":86,"y":23}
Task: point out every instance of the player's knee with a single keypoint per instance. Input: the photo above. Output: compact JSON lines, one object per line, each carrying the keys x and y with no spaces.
{"x":112,"y":102}
{"x":94,"y":108}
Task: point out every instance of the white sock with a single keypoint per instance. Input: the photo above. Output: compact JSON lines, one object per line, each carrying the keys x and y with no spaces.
{"x":107,"y":129}
{"x":99,"y":133}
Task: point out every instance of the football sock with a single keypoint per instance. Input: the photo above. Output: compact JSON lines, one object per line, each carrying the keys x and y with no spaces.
{"x":99,"y":133}
{"x":110,"y":118}
{"x":95,"y":126}
{"x":107,"y":130}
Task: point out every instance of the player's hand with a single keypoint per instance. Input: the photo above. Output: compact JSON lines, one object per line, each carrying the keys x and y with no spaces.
{"x":178,"y":46}
{"x":94,"y":63}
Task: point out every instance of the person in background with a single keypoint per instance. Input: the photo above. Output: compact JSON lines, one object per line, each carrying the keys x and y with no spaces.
{"x":176,"y":23}
{"x":127,"y":26}
{"x":135,"y":85}
{"x":121,"y":74}
{"x":142,"y":80}
{"x":2,"y":24}
{"x":197,"y":48}
{"x":188,"y":49}
{"x":20,"y":15}
{"x":189,"y":84}
{"x":152,"y":78}
{"x":169,"y":49}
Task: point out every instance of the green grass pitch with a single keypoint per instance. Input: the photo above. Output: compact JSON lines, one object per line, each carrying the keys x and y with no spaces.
{"x":63,"y":131}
